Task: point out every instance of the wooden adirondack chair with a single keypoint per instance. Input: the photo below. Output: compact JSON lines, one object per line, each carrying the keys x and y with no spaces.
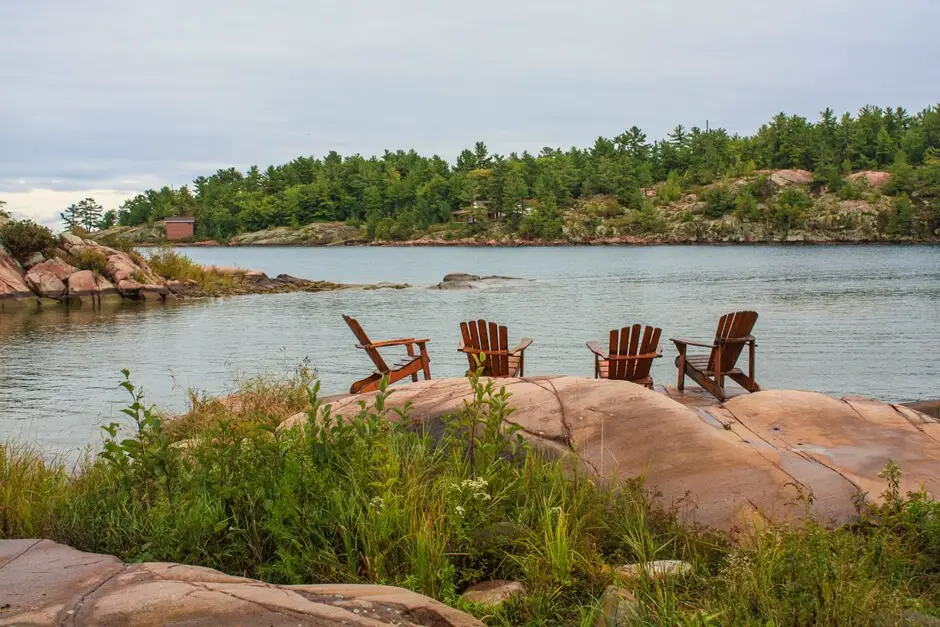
{"x":709,"y":371}
{"x":631,"y":355}
{"x":410,"y":365}
{"x":489,"y":342}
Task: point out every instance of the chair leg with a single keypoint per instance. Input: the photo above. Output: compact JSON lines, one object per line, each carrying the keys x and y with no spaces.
{"x":426,"y":365}
{"x":680,"y":385}
{"x":411,"y":353}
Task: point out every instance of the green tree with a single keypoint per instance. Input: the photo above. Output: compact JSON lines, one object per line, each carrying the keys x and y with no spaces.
{"x":72,"y":216}
{"x":89,"y":213}
{"x":108,"y":219}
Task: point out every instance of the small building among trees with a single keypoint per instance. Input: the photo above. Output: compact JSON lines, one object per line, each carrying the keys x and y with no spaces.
{"x":180,"y":227}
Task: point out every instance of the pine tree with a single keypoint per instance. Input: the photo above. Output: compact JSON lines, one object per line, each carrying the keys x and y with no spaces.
{"x":89,"y":214}
{"x":72,"y":216}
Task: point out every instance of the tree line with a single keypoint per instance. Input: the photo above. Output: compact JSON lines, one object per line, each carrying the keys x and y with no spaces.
{"x":397,"y":193}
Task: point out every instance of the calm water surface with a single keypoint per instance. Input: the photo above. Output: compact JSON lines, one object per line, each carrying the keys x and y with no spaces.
{"x":841,"y":320}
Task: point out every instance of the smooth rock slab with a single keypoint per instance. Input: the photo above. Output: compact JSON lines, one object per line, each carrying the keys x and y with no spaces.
{"x":757,"y":458}
{"x":44,"y":583}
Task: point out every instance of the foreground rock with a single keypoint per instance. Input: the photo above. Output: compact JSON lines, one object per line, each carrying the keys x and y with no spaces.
{"x":493,"y":593}
{"x":44,"y":583}
{"x":756,"y":458}
{"x":659,"y":569}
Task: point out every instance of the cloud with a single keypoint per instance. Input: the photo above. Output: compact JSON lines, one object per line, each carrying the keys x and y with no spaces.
{"x":115,"y":96}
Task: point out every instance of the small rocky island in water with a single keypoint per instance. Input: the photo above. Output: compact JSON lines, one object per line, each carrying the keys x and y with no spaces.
{"x":77,"y":271}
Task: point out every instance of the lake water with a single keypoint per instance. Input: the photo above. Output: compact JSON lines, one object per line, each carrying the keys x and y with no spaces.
{"x":837,"y":319}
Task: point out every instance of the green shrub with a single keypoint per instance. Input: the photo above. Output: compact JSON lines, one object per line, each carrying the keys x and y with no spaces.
{"x":23,"y":238}
{"x":762,"y":187}
{"x":745,"y":206}
{"x":87,"y":258}
{"x":901,"y":217}
{"x":853,"y":190}
{"x":789,"y":210}
{"x":719,"y":201}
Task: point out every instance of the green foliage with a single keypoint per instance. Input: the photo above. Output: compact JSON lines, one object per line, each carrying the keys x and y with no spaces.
{"x":901,"y":218}
{"x":108,"y":219}
{"x":746,"y":206}
{"x":86,"y":213}
{"x":172,"y":265}
{"x":762,"y":187}
{"x":671,"y":191}
{"x":3,"y":212}
{"x":373,"y":498}
{"x":719,"y":201}
{"x":400,"y":194}
{"x":23,"y":238}
{"x":88,"y":258}
{"x":542,"y":223}
{"x":789,"y":209}
{"x":853,"y":190}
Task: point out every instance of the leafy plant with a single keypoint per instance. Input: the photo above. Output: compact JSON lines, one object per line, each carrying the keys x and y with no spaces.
{"x":23,"y":238}
{"x":88,"y":258}
{"x":719,"y":201}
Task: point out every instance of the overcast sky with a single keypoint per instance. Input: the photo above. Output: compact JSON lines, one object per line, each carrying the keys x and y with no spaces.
{"x":106,"y":98}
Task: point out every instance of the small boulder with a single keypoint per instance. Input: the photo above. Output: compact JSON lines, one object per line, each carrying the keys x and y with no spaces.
{"x":69,"y":240}
{"x":455,"y":277}
{"x":175,"y":287}
{"x":121,"y":267}
{"x":658,"y":569}
{"x":14,"y":290}
{"x":128,"y":287}
{"x":35,"y":258}
{"x":82,"y":283}
{"x":86,"y":284}
{"x":152,"y":292}
{"x":872,"y":178}
{"x":56,"y":266}
{"x":45,"y":283}
{"x":619,"y":609}
{"x":493,"y":593}
{"x":783,"y":178}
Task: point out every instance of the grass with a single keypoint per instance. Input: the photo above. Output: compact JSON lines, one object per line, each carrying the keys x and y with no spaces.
{"x":175,"y":266}
{"x":373,"y":498}
{"x":88,"y":258}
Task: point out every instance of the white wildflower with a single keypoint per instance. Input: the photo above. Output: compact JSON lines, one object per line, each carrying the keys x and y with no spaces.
{"x":460,"y":510}
{"x":377,"y":502}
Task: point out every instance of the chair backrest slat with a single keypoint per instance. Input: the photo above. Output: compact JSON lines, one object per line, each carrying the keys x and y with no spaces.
{"x":487,"y":338}
{"x":364,"y":340}
{"x":731,"y":326}
{"x":629,"y":341}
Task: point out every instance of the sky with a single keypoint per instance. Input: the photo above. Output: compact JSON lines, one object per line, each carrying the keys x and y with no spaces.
{"x":107,"y":98}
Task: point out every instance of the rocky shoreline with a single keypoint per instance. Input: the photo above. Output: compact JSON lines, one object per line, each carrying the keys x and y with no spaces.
{"x":81,"y":272}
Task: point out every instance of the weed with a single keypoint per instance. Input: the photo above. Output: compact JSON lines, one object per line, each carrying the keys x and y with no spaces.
{"x":88,"y":258}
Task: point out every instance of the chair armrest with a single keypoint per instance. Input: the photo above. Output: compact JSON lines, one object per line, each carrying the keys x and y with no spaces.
{"x":524,"y":344}
{"x":747,"y":339}
{"x":635,"y":357}
{"x":595,"y":348}
{"x":685,"y":342}
{"x":401,"y":342}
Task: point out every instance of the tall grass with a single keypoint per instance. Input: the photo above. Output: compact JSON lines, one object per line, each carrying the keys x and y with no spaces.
{"x":173,"y":265}
{"x":373,"y":497}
